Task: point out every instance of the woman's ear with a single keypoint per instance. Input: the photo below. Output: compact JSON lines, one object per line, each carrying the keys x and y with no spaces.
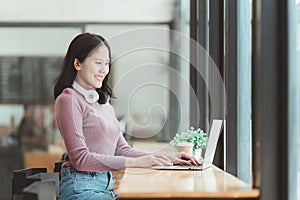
{"x":77,"y":64}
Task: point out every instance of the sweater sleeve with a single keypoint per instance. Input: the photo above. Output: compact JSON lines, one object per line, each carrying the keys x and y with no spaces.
{"x":69,"y":116}
{"x":123,"y":149}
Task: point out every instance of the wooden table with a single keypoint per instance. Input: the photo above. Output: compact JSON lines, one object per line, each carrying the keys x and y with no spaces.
{"x":41,"y":159}
{"x":209,"y":183}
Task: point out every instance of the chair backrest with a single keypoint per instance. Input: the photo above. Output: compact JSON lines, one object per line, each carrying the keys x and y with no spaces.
{"x":35,"y":183}
{"x":20,"y":178}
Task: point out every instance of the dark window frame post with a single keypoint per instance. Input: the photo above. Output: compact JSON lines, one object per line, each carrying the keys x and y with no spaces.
{"x":270,"y":138}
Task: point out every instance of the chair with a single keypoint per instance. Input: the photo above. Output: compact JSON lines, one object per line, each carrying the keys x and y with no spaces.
{"x":35,"y":184}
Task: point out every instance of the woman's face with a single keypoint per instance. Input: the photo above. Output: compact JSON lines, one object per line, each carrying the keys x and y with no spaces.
{"x":91,"y":73}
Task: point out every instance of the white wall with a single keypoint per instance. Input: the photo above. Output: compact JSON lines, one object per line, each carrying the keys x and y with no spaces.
{"x":35,"y":41}
{"x":86,"y":11}
{"x":140,"y":79}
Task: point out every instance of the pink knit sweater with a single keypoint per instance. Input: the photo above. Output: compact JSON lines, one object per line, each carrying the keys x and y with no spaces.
{"x":91,"y":134}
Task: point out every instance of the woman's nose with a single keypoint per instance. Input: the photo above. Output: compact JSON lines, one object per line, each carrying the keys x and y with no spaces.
{"x":104,"y":69}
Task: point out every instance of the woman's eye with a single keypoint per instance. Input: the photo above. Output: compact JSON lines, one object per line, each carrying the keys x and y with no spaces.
{"x":98,"y":63}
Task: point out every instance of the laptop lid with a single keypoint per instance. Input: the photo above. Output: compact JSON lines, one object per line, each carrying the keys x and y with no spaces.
{"x":213,"y":137}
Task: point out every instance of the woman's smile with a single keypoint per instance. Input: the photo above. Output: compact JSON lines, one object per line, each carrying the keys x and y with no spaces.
{"x":99,"y":77}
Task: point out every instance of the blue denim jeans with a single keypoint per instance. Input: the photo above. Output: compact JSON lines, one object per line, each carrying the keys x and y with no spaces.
{"x":86,"y":185}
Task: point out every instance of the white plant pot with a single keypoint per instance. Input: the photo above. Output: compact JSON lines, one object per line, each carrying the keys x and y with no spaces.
{"x":198,"y":154}
{"x":186,"y":147}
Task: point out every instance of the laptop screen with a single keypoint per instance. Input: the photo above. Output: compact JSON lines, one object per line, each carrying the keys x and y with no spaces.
{"x":213,"y":137}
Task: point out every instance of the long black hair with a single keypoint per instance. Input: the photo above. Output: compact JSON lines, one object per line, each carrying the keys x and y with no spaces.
{"x":81,"y":47}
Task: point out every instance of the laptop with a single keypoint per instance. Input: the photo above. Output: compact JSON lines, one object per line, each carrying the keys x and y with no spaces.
{"x":214,"y":134}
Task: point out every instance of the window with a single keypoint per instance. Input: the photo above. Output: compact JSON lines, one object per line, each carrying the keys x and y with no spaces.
{"x":294,"y":99}
{"x":223,"y":29}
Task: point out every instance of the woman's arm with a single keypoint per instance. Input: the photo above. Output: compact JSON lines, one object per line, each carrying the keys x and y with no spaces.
{"x":135,"y":158}
{"x":124,"y":149}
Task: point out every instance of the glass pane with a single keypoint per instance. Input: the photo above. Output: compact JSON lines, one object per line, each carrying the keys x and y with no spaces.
{"x":244,"y":91}
{"x":297,"y":66}
{"x":294,"y":98}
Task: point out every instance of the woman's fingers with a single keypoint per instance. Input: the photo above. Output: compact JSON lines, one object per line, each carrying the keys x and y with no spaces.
{"x":193,"y":160}
{"x":182,"y":162}
{"x":179,"y":158}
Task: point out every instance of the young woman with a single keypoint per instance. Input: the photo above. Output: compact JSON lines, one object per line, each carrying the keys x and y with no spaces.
{"x":95,"y":145}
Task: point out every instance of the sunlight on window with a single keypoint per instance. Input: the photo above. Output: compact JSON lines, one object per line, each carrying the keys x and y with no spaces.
{"x":294,"y":99}
{"x":298,"y":64}
{"x":298,"y":90}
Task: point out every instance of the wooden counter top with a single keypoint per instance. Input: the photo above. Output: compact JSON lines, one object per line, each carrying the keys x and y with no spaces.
{"x":209,"y":183}
{"x":41,"y":159}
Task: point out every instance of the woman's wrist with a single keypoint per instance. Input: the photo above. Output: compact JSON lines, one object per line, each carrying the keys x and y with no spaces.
{"x":129,"y":162}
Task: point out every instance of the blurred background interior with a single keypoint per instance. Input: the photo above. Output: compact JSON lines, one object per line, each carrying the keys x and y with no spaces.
{"x":34,"y":36}
{"x":34,"y":39}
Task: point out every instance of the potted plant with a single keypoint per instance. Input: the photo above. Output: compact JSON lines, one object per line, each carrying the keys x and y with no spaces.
{"x":196,"y":137}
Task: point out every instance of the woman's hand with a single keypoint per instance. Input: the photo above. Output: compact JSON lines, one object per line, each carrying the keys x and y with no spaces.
{"x":148,"y":161}
{"x":183,"y":158}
